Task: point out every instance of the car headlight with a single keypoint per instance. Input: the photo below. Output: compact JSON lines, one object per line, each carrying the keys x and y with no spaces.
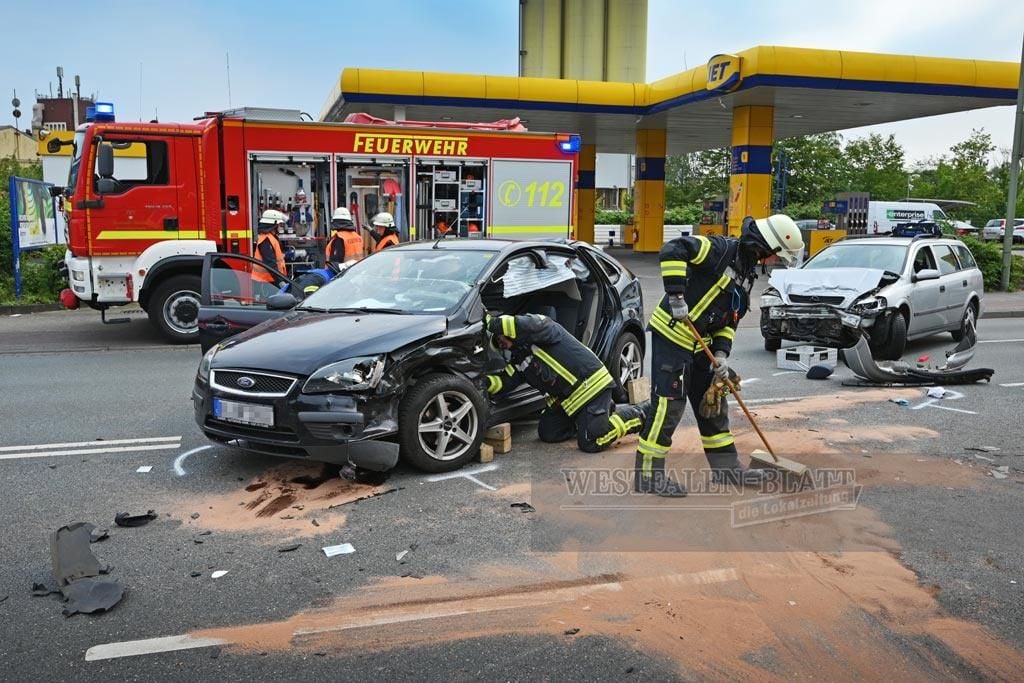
{"x":769,"y":300}
{"x":351,"y":374}
{"x":871,"y":304}
{"x":206,"y":362}
{"x":78,"y":275}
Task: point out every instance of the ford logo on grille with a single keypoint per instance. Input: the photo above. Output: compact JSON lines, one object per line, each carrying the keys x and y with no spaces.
{"x":245,"y":382}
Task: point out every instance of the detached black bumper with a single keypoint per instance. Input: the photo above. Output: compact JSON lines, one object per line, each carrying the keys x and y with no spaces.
{"x":331,"y":428}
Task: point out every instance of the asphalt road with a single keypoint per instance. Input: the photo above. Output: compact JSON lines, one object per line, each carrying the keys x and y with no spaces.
{"x":922,"y":579}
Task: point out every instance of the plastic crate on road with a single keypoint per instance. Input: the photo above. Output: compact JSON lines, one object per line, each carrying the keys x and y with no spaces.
{"x":803,"y":357}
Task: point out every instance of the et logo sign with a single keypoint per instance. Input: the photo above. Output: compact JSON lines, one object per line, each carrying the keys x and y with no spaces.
{"x":723,"y":73}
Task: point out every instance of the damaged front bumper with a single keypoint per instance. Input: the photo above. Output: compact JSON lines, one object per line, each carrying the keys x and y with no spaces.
{"x":826,"y":325}
{"x":333,"y":428}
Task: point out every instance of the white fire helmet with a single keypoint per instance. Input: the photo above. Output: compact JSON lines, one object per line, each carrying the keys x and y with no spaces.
{"x":383,"y":219}
{"x":782,"y":236}
{"x":341,"y":214}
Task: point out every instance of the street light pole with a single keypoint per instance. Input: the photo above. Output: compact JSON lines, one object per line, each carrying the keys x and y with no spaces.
{"x":1011,"y":195}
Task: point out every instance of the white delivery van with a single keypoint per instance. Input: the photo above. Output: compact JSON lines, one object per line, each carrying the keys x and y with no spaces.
{"x":883,"y":216}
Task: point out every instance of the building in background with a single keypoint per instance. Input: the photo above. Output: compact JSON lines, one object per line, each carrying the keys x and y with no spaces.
{"x":592,"y":40}
{"x":17,"y":144}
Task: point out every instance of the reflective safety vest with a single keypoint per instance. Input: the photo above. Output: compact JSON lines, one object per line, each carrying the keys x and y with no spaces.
{"x":548,"y":358}
{"x":701,"y":269}
{"x":278,"y":261}
{"x":388,"y":240}
{"x":345,"y":245}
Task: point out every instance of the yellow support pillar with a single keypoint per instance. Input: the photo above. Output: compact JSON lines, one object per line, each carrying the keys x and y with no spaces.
{"x":750,"y":185}
{"x":649,"y":193}
{"x":585,"y":194}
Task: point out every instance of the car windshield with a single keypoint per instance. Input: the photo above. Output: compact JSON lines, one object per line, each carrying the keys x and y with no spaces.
{"x":403,"y":281}
{"x":860,"y":255}
{"x":994,"y":223}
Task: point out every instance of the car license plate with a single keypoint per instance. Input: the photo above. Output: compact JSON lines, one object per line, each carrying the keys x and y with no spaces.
{"x":850,"y":319}
{"x":243,"y":413}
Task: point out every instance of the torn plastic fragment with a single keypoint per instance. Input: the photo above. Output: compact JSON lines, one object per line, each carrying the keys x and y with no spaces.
{"x":70,"y":555}
{"x":219,"y":573}
{"x":97,"y":535}
{"x":936,"y":392}
{"x":523,"y":507}
{"x":401,"y":556}
{"x":899,"y":401}
{"x":127,"y":519}
{"x":144,"y":469}
{"x":289,"y":548}
{"x":86,"y":596}
{"x":340,"y":549}
{"x":44,"y":584}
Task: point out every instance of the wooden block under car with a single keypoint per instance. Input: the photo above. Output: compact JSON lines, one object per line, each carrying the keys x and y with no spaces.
{"x":500,"y":445}
{"x":486,"y":453}
{"x":499,"y":432}
{"x":639,"y":389}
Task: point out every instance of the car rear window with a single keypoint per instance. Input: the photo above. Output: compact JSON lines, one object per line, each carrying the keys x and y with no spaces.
{"x":947,"y":260}
{"x":966,"y":257}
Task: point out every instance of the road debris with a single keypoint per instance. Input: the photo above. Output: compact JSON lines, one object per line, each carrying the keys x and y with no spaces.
{"x":523,"y":507}
{"x":571,"y":631}
{"x":340,"y":549}
{"x":219,"y":573}
{"x":936,"y":392}
{"x":289,"y":548}
{"x":144,"y":469}
{"x":819,"y":372}
{"x":195,"y":575}
{"x":194,"y":515}
{"x":74,"y":569}
{"x":998,"y":475}
{"x":97,"y":535}
{"x":372,"y":495}
{"x":982,"y":449}
{"x":127,"y":519}
{"x":401,"y":556}
{"x":899,"y":401}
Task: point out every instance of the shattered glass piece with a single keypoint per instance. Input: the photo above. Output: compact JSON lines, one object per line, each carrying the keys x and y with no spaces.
{"x":523,"y":275}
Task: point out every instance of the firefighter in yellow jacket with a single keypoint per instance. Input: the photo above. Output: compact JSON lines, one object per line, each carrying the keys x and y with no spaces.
{"x":543,"y":354}
{"x":707,"y":280}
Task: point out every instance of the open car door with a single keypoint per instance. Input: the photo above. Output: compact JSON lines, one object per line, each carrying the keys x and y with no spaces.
{"x":235,"y":290}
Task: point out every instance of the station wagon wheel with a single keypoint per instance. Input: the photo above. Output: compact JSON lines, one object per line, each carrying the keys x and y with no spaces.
{"x":441,"y":423}
{"x":970,"y":318}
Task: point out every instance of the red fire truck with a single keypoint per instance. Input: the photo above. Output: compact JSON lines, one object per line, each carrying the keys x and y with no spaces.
{"x":137,"y":232}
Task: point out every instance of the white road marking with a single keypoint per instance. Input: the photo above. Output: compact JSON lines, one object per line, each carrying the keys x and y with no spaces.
{"x":113,"y":442}
{"x":132,"y":648}
{"x":1000,"y":341}
{"x":958,"y":410}
{"x":178,"y":469}
{"x":467,"y":474}
{"x":1013,"y":384}
{"x":779,"y":399}
{"x":785,"y":372}
{"x":90,"y":451}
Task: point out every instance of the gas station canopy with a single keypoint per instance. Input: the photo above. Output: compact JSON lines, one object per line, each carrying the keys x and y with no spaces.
{"x":812,"y":91}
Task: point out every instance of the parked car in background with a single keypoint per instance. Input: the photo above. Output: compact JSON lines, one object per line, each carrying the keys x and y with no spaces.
{"x":996,"y":228}
{"x":388,"y":357}
{"x":893,"y":289}
{"x":815,"y":224}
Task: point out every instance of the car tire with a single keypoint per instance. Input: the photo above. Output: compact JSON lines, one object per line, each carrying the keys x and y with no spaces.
{"x":772,"y":344}
{"x":628,"y":352}
{"x":451,"y":439}
{"x":896,"y":341}
{"x":174,"y":309}
{"x":971,"y":312}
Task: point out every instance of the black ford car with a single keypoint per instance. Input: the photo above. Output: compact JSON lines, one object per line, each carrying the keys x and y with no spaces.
{"x":387,"y":357}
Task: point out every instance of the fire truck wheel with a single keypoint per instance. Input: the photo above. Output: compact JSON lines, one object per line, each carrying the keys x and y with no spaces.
{"x":174,"y":309}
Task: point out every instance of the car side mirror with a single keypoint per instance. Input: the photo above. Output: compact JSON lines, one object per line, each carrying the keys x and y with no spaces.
{"x":926,"y":274}
{"x":56,"y":190}
{"x":53,"y":145}
{"x":105,"y":161}
{"x":282,"y":301}
{"x":106,"y":186}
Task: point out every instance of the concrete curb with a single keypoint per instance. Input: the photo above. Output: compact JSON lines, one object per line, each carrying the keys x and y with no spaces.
{"x":1002,"y":314}
{"x":30,"y":308}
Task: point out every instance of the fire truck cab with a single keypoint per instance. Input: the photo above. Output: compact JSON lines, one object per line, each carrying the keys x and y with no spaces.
{"x":138,"y":232}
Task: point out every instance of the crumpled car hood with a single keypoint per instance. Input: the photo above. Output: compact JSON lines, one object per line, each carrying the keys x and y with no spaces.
{"x":849,"y":283}
{"x":300,"y":343}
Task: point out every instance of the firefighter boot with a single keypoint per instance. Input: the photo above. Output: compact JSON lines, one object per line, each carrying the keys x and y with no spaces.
{"x":727,"y":469}
{"x":656,"y":481}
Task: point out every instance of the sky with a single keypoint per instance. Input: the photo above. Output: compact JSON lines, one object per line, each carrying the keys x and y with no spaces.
{"x":170,"y":59}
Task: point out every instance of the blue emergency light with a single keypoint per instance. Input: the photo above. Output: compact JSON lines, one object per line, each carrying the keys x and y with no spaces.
{"x":101,"y":111}
{"x":570,"y":144}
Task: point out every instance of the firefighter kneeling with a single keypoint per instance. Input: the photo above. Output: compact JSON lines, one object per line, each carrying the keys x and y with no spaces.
{"x":543,"y":354}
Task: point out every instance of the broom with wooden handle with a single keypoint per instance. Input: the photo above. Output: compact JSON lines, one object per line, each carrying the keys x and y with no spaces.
{"x":773,"y":461}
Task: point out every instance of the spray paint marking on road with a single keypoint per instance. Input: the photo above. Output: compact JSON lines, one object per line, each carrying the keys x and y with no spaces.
{"x":1013,"y":384}
{"x":101,"y":447}
{"x":785,"y":372}
{"x":1000,"y":341}
{"x":178,"y":469}
{"x":949,"y":396}
{"x":467,"y":474}
{"x":745,"y":382}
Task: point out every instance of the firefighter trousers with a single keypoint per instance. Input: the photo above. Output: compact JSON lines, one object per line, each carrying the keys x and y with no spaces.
{"x":596,"y":426}
{"x":680,"y":374}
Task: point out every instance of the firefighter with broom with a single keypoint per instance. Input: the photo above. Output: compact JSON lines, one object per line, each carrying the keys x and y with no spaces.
{"x":707,"y":283}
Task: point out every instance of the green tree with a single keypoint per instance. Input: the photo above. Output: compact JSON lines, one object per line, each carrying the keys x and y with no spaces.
{"x":694,"y":177}
{"x":875,"y":165}
{"x":816,"y":167}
